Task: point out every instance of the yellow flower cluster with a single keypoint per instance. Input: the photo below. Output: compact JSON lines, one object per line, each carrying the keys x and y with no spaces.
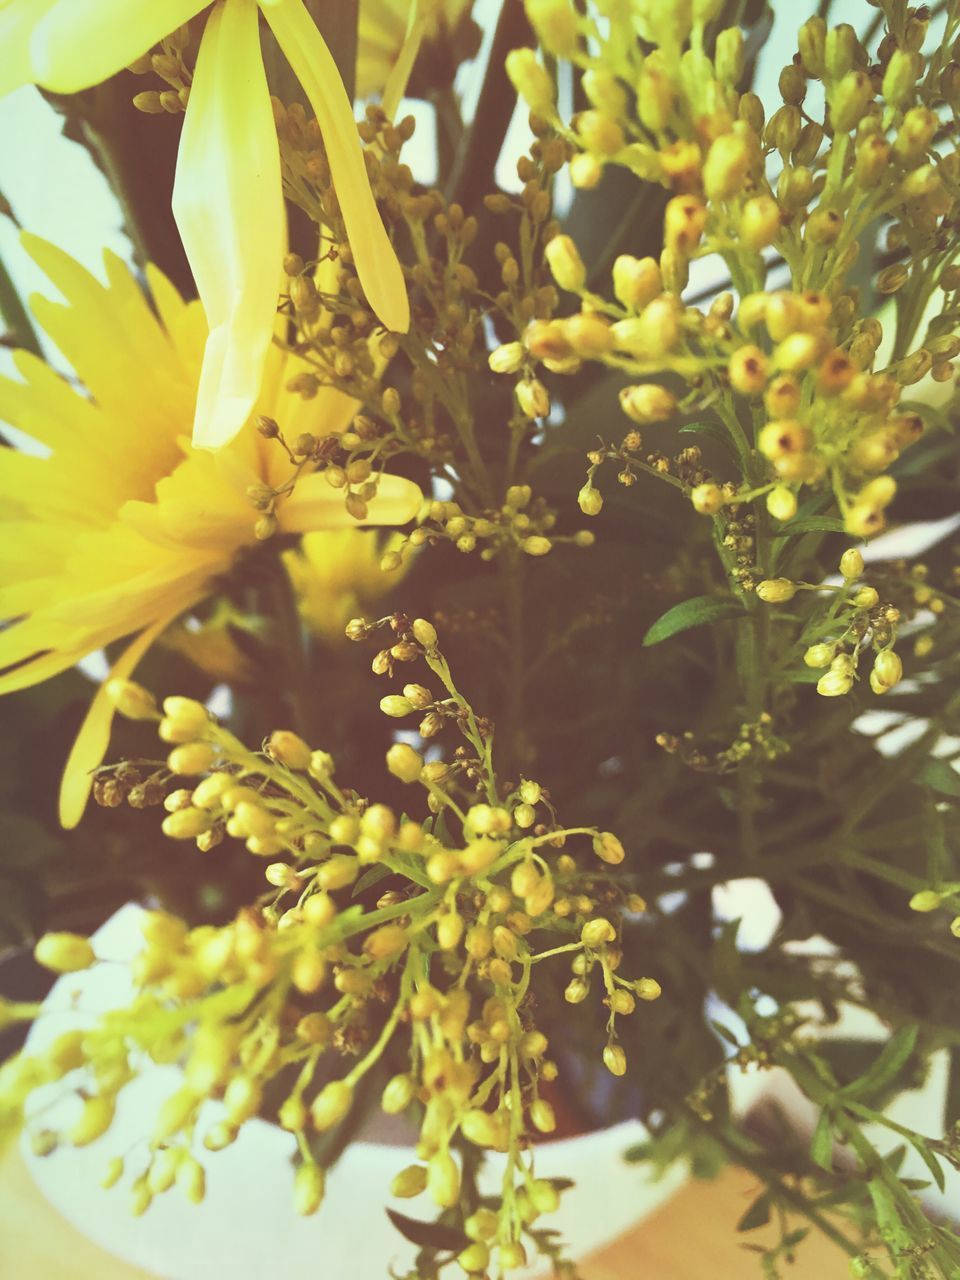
{"x":805,"y":385}
{"x":441,"y":970}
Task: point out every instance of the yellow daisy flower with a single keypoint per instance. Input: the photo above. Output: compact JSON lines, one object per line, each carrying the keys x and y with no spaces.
{"x":336,"y":576}
{"x":123,"y":524}
{"x":228,"y":200}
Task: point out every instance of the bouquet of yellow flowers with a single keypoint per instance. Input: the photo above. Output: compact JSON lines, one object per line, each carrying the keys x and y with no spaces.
{"x":632,"y":384}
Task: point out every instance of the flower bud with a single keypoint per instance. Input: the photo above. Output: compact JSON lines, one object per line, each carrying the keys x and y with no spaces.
{"x":608,"y":848}
{"x":331,"y":1104}
{"x":925,"y":900}
{"x":536,"y":546}
{"x":595,"y":933}
{"x":636,"y":281}
{"x":590,"y":500}
{"x":507,"y":358}
{"x":404,"y":763}
{"x":132,"y":700}
{"x":648,"y":988}
{"x":849,"y":101}
{"x":887,"y":671}
{"x":289,"y":749}
{"x":397,"y":1095}
{"x":727,"y":166}
{"x":565,"y":264}
{"x":812,"y":38}
{"x":707,"y":499}
{"x":443,"y":1180}
{"x":542,"y":1116}
{"x":819,"y":655}
{"x":533,"y":398}
{"x":615,"y":1060}
{"x":531,"y":81}
{"x":782,"y":503}
{"x":409,"y":1182}
{"x":776,"y":590}
{"x":64,"y":952}
{"x":191,"y":759}
{"x":728,"y":56}
{"x":834,"y":684}
{"x":647,"y":403}
{"x":308,"y":1188}
{"x":396,"y":706}
{"x":95,"y":1119}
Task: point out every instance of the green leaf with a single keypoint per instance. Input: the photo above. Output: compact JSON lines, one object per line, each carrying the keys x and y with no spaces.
{"x":886,"y":1066}
{"x":821,"y":1144}
{"x":929,"y":1159}
{"x":691,"y":613}
{"x":810,"y":524}
{"x":371,"y":876}
{"x":713,"y":431}
{"x":758,"y":1215}
{"x":941,"y":777}
{"x":429,"y":1235}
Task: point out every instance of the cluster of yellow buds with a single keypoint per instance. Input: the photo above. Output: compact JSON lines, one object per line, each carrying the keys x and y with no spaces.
{"x":521,"y":523}
{"x":438,"y":968}
{"x":792,"y":374}
{"x":856,"y":620}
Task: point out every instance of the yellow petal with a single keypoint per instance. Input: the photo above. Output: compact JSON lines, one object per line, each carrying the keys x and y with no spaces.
{"x":314,"y":505}
{"x":91,"y":742}
{"x":228,"y":205}
{"x":376,"y":262}
{"x":79,"y":43}
{"x":18,"y":21}
{"x":396,"y":85}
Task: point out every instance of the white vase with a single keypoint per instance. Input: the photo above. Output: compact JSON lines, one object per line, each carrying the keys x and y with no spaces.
{"x":247,"y":1227}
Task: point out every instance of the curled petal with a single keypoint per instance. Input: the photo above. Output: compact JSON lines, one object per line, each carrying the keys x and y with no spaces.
{"x":91,"y":742}
{"x":228,"y":205}
{"x":79,"y":43}
{"x":18,"y":22}
{"x":376,"y":262}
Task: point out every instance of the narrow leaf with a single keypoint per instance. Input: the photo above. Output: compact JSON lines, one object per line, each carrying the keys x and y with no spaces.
{"x":810,"y":524}
{"x":429,"y":1235}
{"x":691,"y":613}
{"x":886,"y":1067}
{"x":758,"y":1215}
{"x":821,"y":1144}
{"x":930,"y":1160}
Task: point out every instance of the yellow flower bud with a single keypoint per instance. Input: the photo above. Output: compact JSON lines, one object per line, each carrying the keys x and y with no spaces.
{"x":851,"y":564}
{"x":474,"y":1258}
{"x":443,"y":1180}
{"x":192,"y":1180}
{"x":608,"y":848}
{"x":331,"y":1104}
{"x":242,"y":1099}
{"x":409,"y":1182}
{"x":887,"y":671}
{"x":132,"y":700}
{"x":648,"y":988}
{"x":289,"y":749}
{"x":925,"y":900}
{"x":386,"y":942}
{"x":707,"y":499}
{"x":542,"y":1116}
{"x":590,"y":500}
{"x":727,"y":166}
{"x":782,"y":503}
{"x":308,"y":1188}
{"x":174,"y":1114}
{"x":776,"y":590}
{"x":866,"y":598}
{"x":530,"y":80}
{"x":186,"y":824}
{"x":615,"y":1060}
{"x":95,"y":1119}
{"x":404,"y":763}
{"x":759,"y":222}
{"x":636,"y":281}
{"x":648,"y":403}
{"x":189,"y":715}
{"x":64,"y":952}
{"x":595,"y":933}
{"x":482,"y":1128}
{"x":600,"y":133}
{"x":396,"y":706}
{"x":192,"y":758}
{"x":338,"y":872}
{"x":834,"y":684}
{"x":507,"y":358}
{"x":565,"y":263}
{"x":532,"y":397}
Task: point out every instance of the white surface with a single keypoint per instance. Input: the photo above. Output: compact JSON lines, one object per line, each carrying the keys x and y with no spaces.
{"x":247,"y":1228}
